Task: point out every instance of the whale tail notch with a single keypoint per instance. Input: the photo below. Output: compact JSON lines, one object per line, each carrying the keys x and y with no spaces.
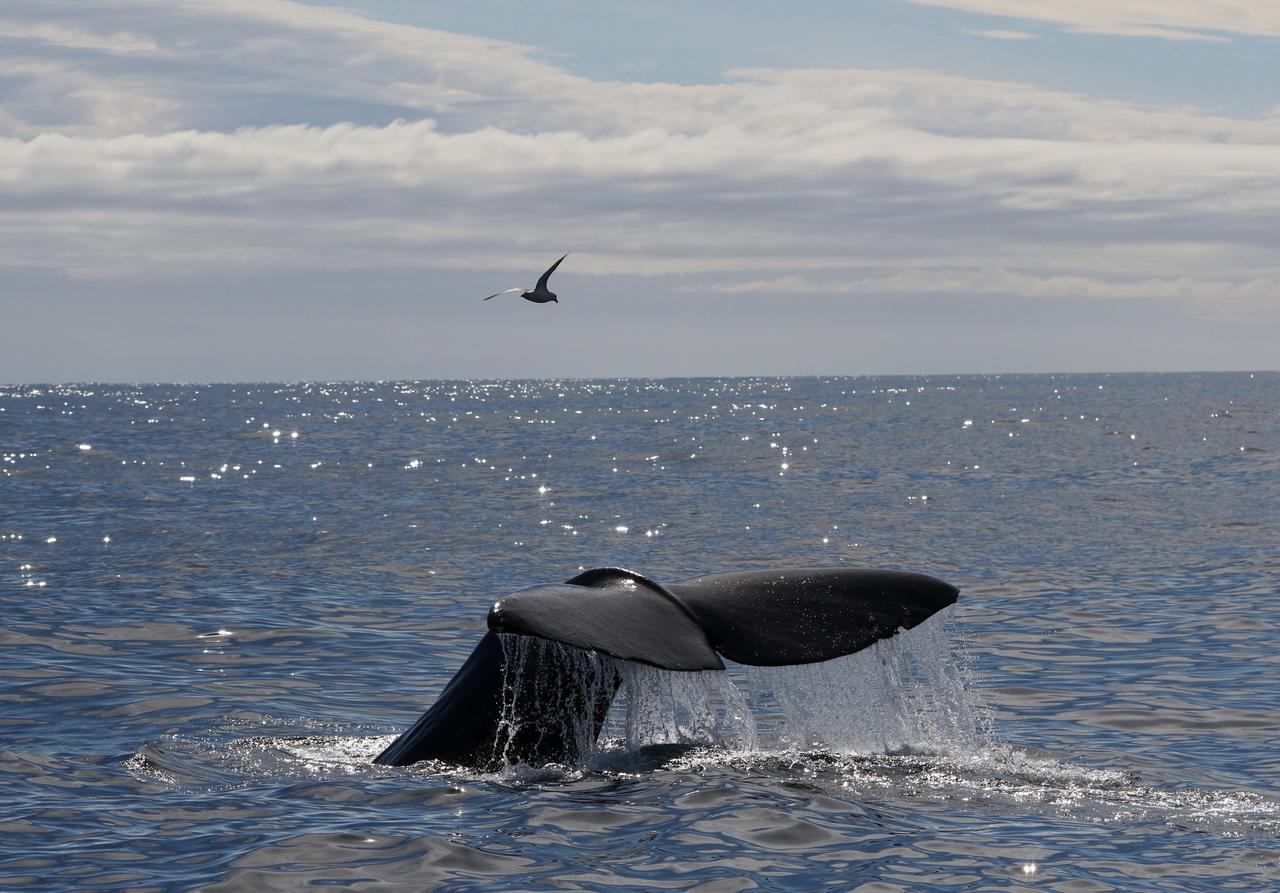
{"x":516,"y":702}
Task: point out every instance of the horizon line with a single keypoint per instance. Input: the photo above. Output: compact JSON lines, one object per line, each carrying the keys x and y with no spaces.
{"x":563,"y":378}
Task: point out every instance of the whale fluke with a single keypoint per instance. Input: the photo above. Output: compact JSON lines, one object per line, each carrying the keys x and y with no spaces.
{"x":547,"y":704}
{"x":615,"y":612}
{"x":806,"y":615}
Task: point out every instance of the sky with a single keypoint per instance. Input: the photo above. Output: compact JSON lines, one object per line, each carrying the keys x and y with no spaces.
{"x":269,"y":190}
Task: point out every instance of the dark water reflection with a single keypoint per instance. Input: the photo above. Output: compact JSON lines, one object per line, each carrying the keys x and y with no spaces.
{"x":210,"y":628}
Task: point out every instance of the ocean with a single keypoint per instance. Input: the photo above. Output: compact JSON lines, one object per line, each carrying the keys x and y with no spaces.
{"x":222,"y":601}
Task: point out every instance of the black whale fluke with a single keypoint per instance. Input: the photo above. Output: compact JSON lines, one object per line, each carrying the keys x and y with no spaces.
{"x":491,"y":713}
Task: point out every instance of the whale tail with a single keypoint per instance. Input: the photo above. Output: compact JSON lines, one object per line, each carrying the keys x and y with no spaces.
{"x":538,"y":686}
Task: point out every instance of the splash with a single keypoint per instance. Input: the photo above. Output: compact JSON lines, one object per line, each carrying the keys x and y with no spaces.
{"x":904,"y":694}
{"x":554,"y":699}
{"x":656,"y":707}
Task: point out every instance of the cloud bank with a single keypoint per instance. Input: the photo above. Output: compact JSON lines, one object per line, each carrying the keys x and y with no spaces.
{"x":141,"y":138}
{"x":1209,"y":20}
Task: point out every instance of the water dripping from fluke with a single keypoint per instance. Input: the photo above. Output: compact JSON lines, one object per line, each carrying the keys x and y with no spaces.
{"x":563,"y":707}
{"x":905,"y":695}
{"x":829,"y":657}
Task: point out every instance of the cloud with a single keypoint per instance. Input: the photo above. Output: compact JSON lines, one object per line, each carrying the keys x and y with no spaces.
{"x":1208,"y":20}
{"x":70,"y":36}
{"x":1002,"y":34}
{"x":1002,"y":281}
{"x":287,"y":62}
{"x":151,"y":139}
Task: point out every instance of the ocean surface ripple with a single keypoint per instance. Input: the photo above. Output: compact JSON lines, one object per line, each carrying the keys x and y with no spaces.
{"x":222,"y":601}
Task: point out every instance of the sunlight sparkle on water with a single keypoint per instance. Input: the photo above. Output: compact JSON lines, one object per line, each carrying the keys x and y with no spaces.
{"x":214,"y":551}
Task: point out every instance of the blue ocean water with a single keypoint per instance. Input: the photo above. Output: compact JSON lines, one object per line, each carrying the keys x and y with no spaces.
{"x":221,"y":601}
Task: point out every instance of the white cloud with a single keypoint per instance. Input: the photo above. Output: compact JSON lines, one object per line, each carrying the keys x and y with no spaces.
{"x":1012,"y":282}
{"x":1165,"y":19}
{"x":218,"y":58}
{"x":68,"y":35}
{"x":1001,"y":34}
{"x":157,"y":138}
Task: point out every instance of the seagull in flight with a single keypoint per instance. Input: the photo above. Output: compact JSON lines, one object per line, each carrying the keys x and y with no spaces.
{"x":539,"y":294}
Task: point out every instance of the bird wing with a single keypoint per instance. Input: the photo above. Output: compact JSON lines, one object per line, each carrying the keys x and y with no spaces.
{"x":504,"y":291}
{"x":542,"y":281}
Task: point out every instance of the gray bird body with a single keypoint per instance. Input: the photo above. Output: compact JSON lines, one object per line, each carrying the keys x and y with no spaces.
{"x":539,"y":294}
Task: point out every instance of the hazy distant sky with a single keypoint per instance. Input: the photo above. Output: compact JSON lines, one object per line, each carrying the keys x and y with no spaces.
{"x":217,"y":190}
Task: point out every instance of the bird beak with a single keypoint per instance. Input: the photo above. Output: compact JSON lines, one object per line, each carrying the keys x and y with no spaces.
{"x":556,"y":300}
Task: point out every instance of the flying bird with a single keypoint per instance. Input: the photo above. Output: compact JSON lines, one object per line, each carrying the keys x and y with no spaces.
{"x":539,"y":294}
